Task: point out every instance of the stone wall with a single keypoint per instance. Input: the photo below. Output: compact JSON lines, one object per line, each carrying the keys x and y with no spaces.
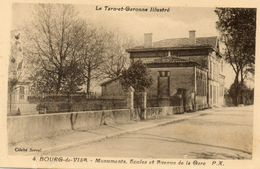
{"x":157,"y":112}
{"x":21,"y":128}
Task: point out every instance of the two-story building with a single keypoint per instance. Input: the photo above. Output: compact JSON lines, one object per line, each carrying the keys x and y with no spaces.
{"x":186,"y":71}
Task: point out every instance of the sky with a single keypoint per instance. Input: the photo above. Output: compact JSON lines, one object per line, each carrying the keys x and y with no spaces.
{"x":173,"y":24}
{"x":164,"y":25}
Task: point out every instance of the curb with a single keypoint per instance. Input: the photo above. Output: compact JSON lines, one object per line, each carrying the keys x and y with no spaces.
{"x":116,"y":134}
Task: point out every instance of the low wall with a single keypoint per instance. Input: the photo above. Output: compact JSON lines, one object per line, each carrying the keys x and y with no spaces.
{"x":21,"y":128}
{"x":156,"y":112}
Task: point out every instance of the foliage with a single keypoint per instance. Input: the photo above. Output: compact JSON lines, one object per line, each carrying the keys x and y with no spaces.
{"x":136,"y":76}
{"x":238,"y":29}
{"x":73,"y":78}
{"x":248,"y":94}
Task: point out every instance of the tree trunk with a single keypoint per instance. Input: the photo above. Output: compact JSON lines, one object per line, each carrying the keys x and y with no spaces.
{"x":88,"y":87}
{"x":241,"y":88}
{"x":88,"y":82}
{"x":69,"y":102}
{"x":58,"y":84}
{"x":236,"y":93}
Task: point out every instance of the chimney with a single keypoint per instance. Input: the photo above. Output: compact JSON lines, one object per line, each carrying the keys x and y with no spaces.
{"x":148,"y":40}
{"x":192,"y":36}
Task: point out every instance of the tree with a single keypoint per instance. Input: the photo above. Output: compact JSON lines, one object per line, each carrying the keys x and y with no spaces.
{"x":116,"y":59}
{"x":93,"y":41}
{"x":238,"y":29}
{"x":54,"y":52}
{"x":136,"y":76}
{"x":58,"y":38}
{"x":73,"y":79}
{"x":54,"y":46}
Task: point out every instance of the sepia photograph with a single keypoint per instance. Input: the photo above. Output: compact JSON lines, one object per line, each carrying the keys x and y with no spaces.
{"x":120,"y":84}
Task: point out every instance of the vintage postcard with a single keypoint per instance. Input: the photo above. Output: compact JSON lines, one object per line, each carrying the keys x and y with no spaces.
{"x":129,"y":84}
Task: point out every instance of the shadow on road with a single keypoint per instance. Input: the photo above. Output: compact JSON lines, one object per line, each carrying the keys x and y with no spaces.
{"x":172,"y":139}
{"x":214,"y":155}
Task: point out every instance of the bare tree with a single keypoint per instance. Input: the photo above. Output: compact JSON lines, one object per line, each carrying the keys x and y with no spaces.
{"x":117,"y":59}
{"x":92,"y":52}
{"x":53,"y":36}
{"x":59,"y":39}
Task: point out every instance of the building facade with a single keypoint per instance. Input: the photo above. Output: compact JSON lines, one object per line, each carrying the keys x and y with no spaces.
{"x":185,"y":71}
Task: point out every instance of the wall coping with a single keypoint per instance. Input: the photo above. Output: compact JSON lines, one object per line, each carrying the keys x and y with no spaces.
{"x":63,"y":113}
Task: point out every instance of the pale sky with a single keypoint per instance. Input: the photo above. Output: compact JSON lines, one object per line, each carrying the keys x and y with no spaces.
{"x":173,"y":24}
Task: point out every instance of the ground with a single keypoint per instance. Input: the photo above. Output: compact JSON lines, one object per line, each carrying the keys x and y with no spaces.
{"x":225,"y":133}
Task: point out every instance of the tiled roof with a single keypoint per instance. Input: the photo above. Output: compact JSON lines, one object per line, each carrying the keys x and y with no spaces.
{"x":183,"y":42}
